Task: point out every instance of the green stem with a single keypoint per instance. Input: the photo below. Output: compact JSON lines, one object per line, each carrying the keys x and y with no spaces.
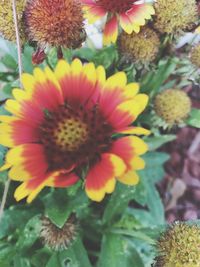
{"x":18,"y":42}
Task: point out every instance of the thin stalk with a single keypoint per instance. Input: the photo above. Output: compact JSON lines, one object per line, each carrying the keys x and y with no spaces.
{"x":18,"y":42}
{"x":3,"y":202}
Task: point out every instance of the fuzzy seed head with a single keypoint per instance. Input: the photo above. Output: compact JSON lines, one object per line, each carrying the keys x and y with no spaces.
{"x":173,"y":106}
{"x":58,"y":238}
{"x":142,"y":47}
{"x":7,"y":29}
{"x":195,"y":56}
{"x":172,"y":16}
{"x":179,"y":246}
{"x":55,"y":23}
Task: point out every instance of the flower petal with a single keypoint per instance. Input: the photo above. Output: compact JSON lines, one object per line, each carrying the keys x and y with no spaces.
{"x":110,"y":31}
{"x":31,"y":188}
{"x":124,"y":114}
{"x":63,"y":180}
{"x":126,"y":23}
{"x":129,"y":178}
{"x":24,"y":160}
{"x":138,"y":13}
{"x":101,"y":177}
{"x":134,"y":130}
{"x":128,"y":148}
{"x":93,"y":13}
{"x":77,"y":82}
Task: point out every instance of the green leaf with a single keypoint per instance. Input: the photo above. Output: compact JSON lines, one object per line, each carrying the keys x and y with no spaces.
{"x":85,"y":53}
{"x":106,"y":57}
{"x":59,"y":205}
{"x":6,"y":91}
{"x":136,"y":258}
{"x":54,"y":261}
{"x":27,"y":59}
{"x":155,"y":204}
{"x":135,"y":234}
{"x":194,"y":119}
{"x":157,"y":141}
{"x":7,"y":252}
{"x":19,"y":261}
{"x":30,"y":233}
{"x":154,"y":171}
{"x":15,"y":218}
{"x":41,"y":257}
{"x":140,"y":194}
{"x":118,"y":202}
{"x":143,"y":216}
{"x":152,"y":81}
{"x":9,"y":62}
{"x":74,"y":256}
{"x":116,"y":252}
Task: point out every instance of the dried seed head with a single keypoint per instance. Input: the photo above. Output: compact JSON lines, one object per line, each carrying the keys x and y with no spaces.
{"x":172,"y":16}
{"x":7,"y":29}
{"x":55,"y":23}
{"x":195,"y":56}
{"x":142,"y":46}
{"x":58,"y":238}
{"x":173,"y":106}
{"x":179,"y":246}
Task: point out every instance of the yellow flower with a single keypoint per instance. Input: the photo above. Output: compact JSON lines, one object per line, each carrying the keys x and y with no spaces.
{"x":63,"y":129}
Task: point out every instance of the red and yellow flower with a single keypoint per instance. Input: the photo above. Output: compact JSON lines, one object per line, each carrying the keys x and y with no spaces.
{"x":129,"y":14}
{"x":71,"y":124}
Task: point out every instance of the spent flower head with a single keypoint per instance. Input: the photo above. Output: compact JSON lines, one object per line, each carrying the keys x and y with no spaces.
{"x":58,"y":238}
{"x":142,"y":47}
{"x":195,"y":56}
{"x":173,"y":106}
{"x":172,"y":16}
{"x":57,"y":23}
{"x":7,"y":28}
{"x":179,"y":246}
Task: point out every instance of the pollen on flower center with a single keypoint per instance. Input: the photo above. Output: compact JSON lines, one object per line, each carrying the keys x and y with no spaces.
{"x":74,"y":135}
{"x":71,"y":133}
{"x":118,"y":6}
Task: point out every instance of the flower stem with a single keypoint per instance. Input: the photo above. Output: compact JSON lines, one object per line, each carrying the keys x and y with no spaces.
{"x":3,"y":202}
{"x":17,"y":38}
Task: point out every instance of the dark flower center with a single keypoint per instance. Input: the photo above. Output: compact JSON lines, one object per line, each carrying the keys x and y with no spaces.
{"x":74,"y":136}
{"x":116,"y":6}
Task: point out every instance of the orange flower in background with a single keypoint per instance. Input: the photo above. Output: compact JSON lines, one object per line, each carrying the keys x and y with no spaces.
{"x":64,"y":128}
{"x":57,"y":23}
{"x":129,"y":14}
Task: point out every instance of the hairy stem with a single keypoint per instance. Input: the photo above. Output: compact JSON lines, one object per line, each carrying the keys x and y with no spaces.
{"x":18,"y":42}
